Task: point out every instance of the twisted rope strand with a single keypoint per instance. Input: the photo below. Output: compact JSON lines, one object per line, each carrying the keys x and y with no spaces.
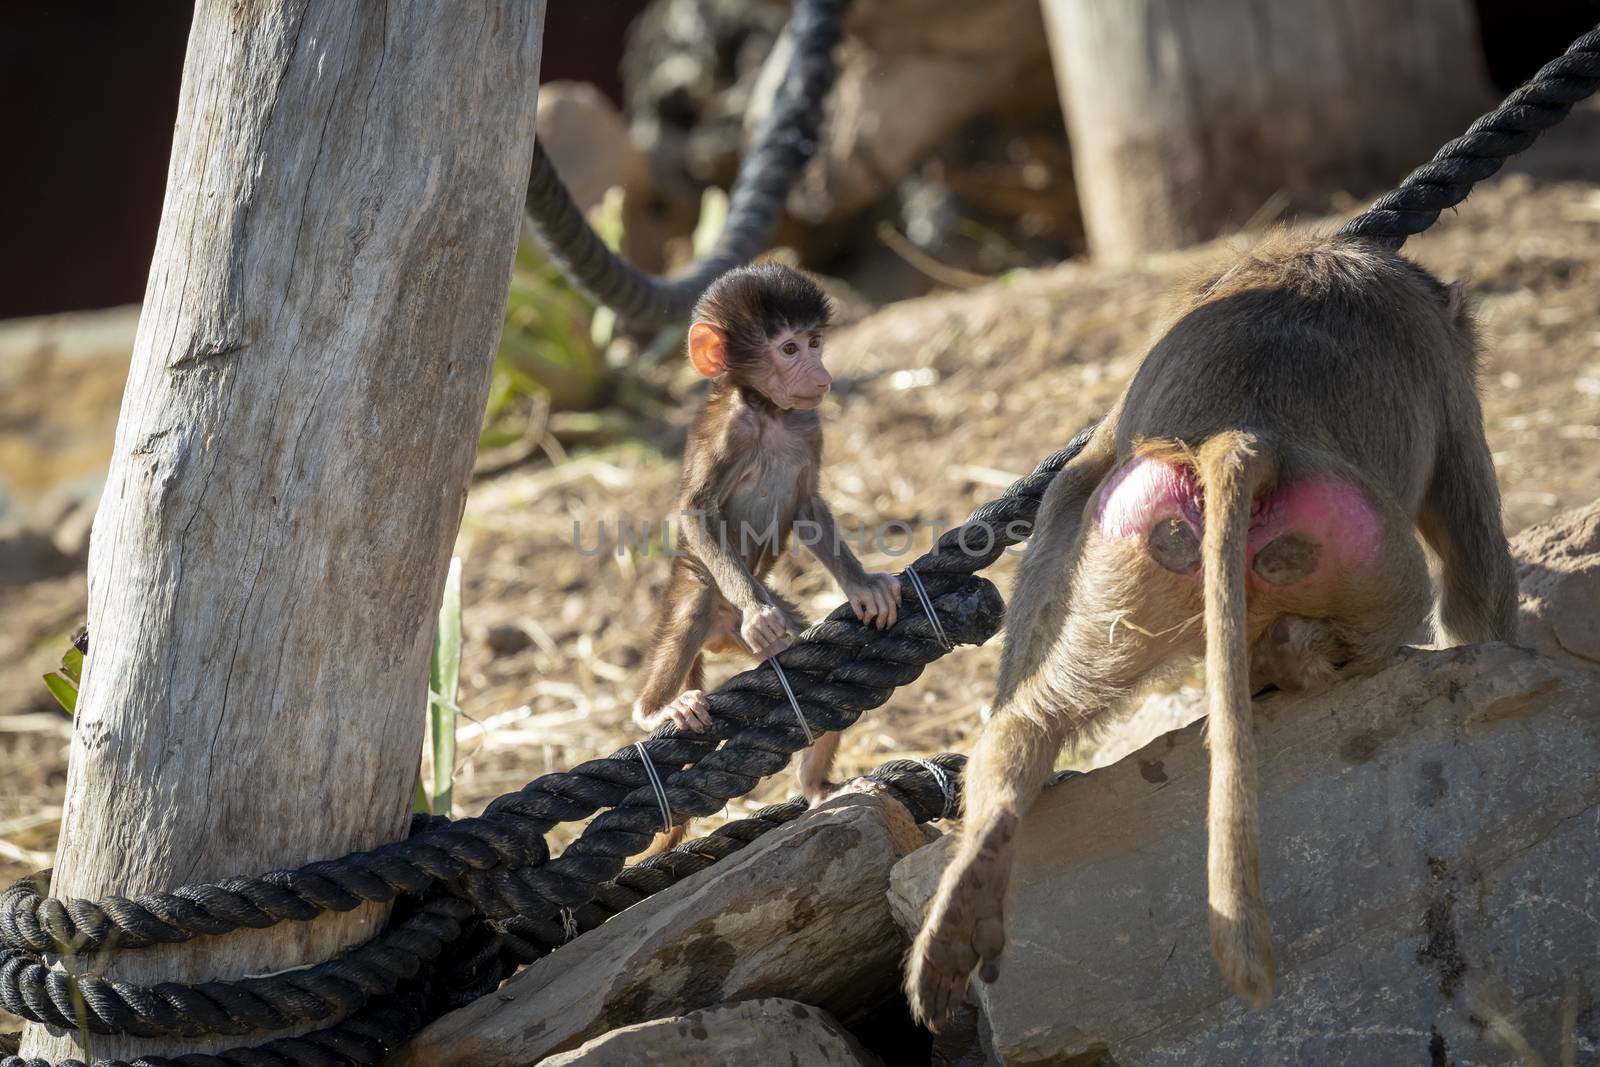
{"x":366,"y":1037}
{"x":784,"y":142}
{"x":1443,"y":182}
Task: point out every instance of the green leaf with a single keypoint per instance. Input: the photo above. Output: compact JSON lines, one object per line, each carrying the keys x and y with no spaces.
{"x":64,"y":690}
{"x":606,"y":217}
{"x":602,"y":326}
{"x":444,"y":679}
{"x":72,"y":665}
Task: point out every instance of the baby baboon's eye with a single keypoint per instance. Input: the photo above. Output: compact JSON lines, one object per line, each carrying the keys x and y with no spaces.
{"x":816,"y":341}
{"x":790,"y":348}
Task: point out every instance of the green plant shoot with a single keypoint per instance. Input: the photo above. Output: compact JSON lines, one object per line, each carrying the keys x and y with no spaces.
{"x":444,"y":679}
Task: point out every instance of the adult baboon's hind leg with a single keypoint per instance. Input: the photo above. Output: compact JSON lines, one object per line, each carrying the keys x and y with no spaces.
{"x":1043,"y":694}
{"x":1461,"y":521}
{"x":1117,"y":618}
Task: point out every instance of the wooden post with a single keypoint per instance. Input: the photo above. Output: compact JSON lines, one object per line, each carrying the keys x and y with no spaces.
{"x":1187,"y":117}
{"x":292,"y":458}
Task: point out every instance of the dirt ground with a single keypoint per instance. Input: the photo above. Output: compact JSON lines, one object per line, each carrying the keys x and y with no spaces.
{"x":940,"y":402}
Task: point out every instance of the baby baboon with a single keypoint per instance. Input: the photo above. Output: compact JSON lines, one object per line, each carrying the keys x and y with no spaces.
{"x":751,"y":472}
{"x":1266,"y":470}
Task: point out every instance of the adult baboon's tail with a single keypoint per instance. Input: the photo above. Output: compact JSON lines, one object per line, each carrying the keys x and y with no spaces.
{"x":1232,"y":466}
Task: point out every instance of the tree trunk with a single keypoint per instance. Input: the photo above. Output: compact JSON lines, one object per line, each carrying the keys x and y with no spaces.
{"x":292,"y":458}
{"x":1188,"y":117}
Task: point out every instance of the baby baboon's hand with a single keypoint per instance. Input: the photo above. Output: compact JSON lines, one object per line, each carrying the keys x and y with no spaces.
{"x":875,"y":600}
{"x":763,"y":631}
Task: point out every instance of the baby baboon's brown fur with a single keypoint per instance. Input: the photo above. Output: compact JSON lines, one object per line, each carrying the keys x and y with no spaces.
{"x":1311,"y":409}
{"x":751,"y":474}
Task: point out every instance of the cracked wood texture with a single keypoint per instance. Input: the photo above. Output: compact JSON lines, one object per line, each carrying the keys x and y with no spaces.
{"x":1191,"y":118}
{"x":292,"y":458}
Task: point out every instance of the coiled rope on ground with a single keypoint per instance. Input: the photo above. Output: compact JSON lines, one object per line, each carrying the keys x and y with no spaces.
{"x":927,"y":788}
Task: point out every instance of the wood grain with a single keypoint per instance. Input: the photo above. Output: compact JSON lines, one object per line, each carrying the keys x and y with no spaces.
{"x":1190,"y":118}
{"x":292,"y":458}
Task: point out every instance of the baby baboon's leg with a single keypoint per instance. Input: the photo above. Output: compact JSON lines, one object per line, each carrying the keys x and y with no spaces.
{"x":1461,"y":521}
{"x":812,"y":769}
{"x":814,"y":763}
{"x":687,"y":618}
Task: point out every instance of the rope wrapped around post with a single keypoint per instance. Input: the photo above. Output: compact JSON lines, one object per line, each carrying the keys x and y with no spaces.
{"x":423,"y":993}
{"x":502,"y":853}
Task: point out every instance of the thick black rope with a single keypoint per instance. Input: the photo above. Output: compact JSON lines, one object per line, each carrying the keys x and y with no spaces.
{"x":330,"y":990}
{"x":833,"y":683}
{"x":785,"y":140}
{"x":838,"y":668}
{"x":524,"y":939}
{"x":837,"y":672}
{"x":379,"y":1028}
{"x":839,"y":656}
{"x":1544,"y":100}
{"x":362,"y":1040}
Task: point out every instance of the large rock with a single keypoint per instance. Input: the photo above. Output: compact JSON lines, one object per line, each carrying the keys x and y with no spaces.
{"x":1431,"y":858}
{"x":1558,"y":568}
{"x":733,"y":1035}
{"x":801,"y":914}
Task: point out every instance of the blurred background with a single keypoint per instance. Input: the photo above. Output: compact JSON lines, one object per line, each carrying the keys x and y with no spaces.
{"x":1005,"y":195}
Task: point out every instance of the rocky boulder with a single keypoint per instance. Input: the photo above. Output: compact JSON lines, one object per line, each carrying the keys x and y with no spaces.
{"x":1431,"y":859}
{"x":801,"y":914}
{"x":1558,"y":568}
{"x":587,"y":139}
{"x":912,"y":73}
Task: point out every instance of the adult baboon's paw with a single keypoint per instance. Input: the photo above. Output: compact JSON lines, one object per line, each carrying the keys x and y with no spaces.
{"x":965,"y":927}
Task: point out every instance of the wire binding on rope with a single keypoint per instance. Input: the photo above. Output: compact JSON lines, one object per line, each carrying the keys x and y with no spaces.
{"x":655,"y":783}
{"x":927,"y":608}
{"x":942,"y":780}
{"x":794,"y":703}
